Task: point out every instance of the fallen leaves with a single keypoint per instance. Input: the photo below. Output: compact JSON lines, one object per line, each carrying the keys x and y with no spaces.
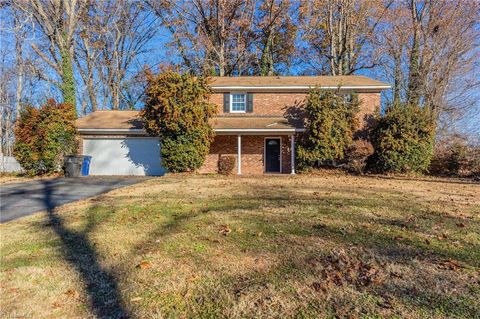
{"x":450,"y":264}
{"x":224,"y":230}
{"x":72,"y":293}
{"x":348,"y":267}
{"x":144,"y":264}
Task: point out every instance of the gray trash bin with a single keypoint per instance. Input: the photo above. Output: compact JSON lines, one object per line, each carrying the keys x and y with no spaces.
{"x":73,"y":165}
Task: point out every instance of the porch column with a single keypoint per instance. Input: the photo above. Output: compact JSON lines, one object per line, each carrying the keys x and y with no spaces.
{"x":239,"y":154}
{"x":292,"y":153}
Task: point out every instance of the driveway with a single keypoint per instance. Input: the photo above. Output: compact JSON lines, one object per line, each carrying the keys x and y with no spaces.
{"x":22,"y":199}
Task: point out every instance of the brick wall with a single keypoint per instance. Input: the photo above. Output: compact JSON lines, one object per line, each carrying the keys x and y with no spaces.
{"x":252,"y":153}
{"x":281,"y":103}
{"x":369,"y":103}
{"x":266,"y":103}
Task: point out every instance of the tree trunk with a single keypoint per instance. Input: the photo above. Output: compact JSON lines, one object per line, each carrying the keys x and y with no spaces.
{"x":67,"y":87}
{"x":396,"y":77}
{"x":413,"y":94}
{"x":266,"y":61}
{"x":20,"y":65}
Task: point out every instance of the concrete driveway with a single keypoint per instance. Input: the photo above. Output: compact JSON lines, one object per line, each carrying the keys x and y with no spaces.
{"x":22,"y":199}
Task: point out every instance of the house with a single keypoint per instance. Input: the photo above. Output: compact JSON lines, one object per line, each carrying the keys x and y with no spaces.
{"x":257,"y":122}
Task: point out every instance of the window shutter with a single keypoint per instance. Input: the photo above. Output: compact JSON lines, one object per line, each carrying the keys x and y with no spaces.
{"x":226,"y":102}
{"x":249,"y":102}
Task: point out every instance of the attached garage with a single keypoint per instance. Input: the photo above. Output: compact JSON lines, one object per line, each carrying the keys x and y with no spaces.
{"x":118,"y":144}
{"x":124,"y":156}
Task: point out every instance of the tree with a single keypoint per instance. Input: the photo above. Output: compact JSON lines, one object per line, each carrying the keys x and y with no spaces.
{"x":57,"y":22}
{"x":339,"y":34}
{"x":330,"y":126}
{"x":212,"y":37}
{"x":112,"y":36}
{"x":276,"y":35}
{"x":177,"y":110}
{"x":430,"y":50}
{"x":44,"y":136}
{"x":403,"y":139}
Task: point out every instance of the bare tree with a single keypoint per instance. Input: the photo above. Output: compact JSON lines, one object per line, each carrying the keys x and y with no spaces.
{"x":339,"y":34}
{"x":56,"y":22}
{"x":112,"y":36}
{"x":211,"y":36}
{"x":431,"y":48}
{"x":276,"y":35}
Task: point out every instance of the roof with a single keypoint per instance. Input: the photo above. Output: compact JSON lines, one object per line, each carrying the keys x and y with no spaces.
{"x":231,"y":123}
{"x":297,"y":82}
{"x":111,"y":120}
{"x":130,"y":121}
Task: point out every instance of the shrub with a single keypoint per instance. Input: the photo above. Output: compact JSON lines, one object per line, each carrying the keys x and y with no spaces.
{"x":184,"y":152}
{"x":226,"y":164}
{"x":44,"y":136}
{"x":448,"y":159}
{"x":358,"y":154}
{"x":177,"y":110}
{"x":455,"y":159}
{"x":330,"y":125}
{"x":403,"y":139}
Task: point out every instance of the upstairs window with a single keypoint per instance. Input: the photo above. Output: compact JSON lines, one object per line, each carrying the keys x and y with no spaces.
{"x":238,"y":102}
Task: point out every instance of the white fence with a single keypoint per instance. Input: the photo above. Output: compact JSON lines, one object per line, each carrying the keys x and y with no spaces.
{"x":8,"y":164}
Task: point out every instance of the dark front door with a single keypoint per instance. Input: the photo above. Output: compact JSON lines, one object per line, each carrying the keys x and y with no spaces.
{"x":272,"y":155}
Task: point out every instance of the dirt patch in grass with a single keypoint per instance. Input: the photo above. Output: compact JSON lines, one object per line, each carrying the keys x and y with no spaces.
{"x":264,"y":247}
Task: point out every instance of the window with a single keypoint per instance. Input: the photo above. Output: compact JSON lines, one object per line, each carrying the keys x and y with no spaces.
{"x":238,"y":102}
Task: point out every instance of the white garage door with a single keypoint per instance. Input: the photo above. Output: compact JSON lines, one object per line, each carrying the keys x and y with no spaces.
{"x":124,"y":156}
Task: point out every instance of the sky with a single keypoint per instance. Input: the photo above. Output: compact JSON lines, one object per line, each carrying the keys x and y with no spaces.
{"x":158,"y":52}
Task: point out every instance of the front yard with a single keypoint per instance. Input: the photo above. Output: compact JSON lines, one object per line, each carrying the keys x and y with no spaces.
{"x":264,"y":247}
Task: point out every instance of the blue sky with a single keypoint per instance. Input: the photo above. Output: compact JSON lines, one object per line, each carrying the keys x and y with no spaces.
{"x":159,"y":52}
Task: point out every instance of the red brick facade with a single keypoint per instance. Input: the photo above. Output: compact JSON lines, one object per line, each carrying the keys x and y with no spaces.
{"x":265,"y":104}
{"x":268,"y":104}
{"x":252,"y":150}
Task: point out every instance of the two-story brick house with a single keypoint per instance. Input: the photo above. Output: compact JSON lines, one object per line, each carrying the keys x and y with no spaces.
{"x":257,"y":121}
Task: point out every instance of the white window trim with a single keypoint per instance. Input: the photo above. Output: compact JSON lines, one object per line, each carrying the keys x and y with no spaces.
{"x":265,"y":154}
{"x":231,"y":102}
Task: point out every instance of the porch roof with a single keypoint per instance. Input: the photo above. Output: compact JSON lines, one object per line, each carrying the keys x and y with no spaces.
{"x":125,"y":122}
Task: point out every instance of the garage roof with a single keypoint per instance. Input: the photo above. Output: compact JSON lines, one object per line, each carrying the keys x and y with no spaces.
{"x":110,"y":120}
{"x":125,"y":121}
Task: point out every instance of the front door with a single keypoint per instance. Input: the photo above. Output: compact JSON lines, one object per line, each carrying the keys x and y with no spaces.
{"x":272,"y":155}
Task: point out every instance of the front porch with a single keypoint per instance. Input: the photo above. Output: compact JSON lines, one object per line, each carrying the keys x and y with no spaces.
{"x":255,"y":154}
{"x":259,"y":144}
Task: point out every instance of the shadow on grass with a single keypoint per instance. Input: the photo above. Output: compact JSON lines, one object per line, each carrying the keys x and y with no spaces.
{"x":432,"y":179}
{"x":261,"y":209}
{"x":100,"y":285}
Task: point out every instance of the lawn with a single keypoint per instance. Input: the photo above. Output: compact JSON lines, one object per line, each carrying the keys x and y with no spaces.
{"x":266,"y":247}
{"x":8,"y":178}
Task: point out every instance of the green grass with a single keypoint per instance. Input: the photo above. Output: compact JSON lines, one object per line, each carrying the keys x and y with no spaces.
{"x":267,"y":247}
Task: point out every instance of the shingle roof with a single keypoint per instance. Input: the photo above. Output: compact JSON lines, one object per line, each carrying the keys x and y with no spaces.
{"x":110,"y":120}
{"x":295,"y":81}
{"x":251,"y":122}
{"x":122,"y":120}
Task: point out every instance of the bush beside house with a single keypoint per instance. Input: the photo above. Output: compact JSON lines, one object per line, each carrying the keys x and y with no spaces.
{"x":44,"y":136}
{"x":403,"y":139}
{"x":329,"y":129}
{"x":226,"y":164}
{"x":177,"y":111}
